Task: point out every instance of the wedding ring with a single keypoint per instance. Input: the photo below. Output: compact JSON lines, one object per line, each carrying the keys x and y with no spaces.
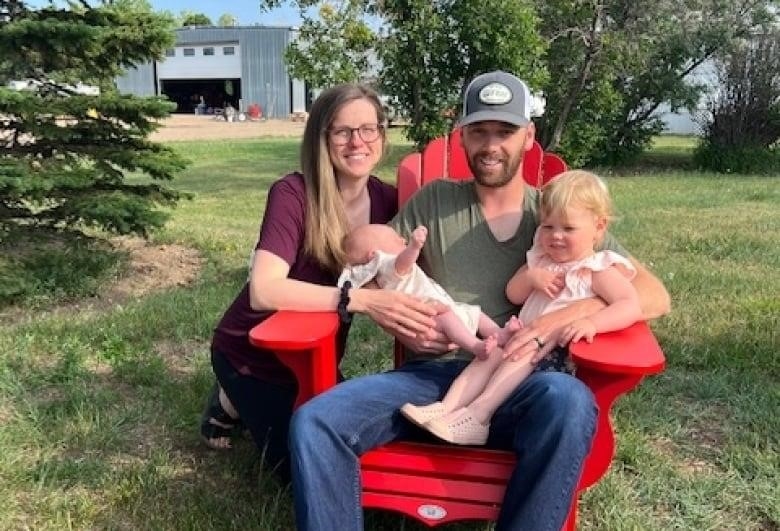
{"x":539,"y":343}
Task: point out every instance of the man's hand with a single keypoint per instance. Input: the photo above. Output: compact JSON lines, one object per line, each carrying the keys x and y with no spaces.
{"x":533,"y":342}
{"x":579,"y":329}
{"x":545,"y":281}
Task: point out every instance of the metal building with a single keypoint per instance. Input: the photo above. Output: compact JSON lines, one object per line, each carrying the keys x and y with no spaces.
{"x":211,"y":67}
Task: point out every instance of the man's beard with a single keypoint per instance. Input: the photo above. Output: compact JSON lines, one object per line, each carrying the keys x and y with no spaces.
{"x":495,"y":181}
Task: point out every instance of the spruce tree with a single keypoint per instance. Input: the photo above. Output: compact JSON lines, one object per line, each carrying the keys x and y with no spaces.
{"x":65,"y":154}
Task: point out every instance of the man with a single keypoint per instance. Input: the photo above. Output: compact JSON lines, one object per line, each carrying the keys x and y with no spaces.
{"x":479,"y":232}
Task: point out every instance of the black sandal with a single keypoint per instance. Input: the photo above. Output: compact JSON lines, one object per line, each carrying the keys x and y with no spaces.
{"x":216,"y":423}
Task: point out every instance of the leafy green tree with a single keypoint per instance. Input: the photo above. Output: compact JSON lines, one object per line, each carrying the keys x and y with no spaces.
{"x":427,"y":50}
{"x":617,"y":62}
{"x":333,"y":47}
{"x":64,"y":150}
{"x":191,"y":18}
{"x":226,"y":20}
{"x":432,"y":49}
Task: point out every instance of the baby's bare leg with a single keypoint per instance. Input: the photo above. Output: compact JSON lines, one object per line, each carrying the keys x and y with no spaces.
{"x":512,"y":325}
{"x":488,"y":328}
{"x":457,"y":332}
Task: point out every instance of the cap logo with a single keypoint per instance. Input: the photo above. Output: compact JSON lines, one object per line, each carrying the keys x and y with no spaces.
{"x":495,"y":94}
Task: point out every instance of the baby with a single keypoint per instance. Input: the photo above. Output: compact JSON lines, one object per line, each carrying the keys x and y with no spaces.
{"x":377,"y":252}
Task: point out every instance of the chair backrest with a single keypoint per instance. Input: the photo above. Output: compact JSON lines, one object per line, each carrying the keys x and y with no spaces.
{"x":458,"y":167}
{"x":445,"y":158}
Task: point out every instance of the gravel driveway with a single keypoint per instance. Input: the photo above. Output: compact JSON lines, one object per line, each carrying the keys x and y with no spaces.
{"x":192,"y":127}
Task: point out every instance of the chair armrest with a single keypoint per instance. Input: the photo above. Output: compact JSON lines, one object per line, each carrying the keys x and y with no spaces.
{"x":611,"y":366}
{"x":306,"y":343}
{"x":633,"y":350}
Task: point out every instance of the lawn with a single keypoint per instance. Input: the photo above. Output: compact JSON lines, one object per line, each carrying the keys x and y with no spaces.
{"x":99,"y":407}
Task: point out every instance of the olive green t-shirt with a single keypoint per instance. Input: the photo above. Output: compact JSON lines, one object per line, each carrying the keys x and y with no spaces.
{"x":461,"y":252}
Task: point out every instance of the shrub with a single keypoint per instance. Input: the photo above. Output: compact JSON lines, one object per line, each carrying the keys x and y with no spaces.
{"x":737,"y":159}
{"x":743,"y":129}
{"x":55,"y":266}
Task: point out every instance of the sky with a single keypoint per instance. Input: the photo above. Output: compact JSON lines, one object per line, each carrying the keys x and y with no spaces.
{"x":247,"y":12}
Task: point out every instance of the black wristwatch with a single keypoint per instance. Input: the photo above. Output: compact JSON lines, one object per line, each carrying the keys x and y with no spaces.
{"x":344,"y":316}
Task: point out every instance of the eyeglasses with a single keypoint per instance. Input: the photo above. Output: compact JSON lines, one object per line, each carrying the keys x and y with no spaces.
{"x":367,"y":132}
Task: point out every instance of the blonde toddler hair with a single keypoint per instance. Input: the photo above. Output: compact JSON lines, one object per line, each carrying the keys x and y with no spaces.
{"x":576,"y":188}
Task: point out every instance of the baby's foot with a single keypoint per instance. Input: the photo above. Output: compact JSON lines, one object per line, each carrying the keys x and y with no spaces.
{"x":490,"y":344}
{"x":481,"y":349}
{"x":419,"y":235}
{"x":513,"y":325}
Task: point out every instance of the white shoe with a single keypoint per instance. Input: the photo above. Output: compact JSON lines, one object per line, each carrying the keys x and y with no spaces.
{"x":464,"y":429}
{"x":421,"y":415}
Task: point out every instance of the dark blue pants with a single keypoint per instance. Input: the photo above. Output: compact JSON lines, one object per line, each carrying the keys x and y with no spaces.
{"x":265,"y":409}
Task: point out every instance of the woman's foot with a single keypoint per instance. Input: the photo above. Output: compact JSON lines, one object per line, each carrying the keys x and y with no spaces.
{"x":420,"y":415}
{"x":459,"y":427}
{"x":217,"y":425}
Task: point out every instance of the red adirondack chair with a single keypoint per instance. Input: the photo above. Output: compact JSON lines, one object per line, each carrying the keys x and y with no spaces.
{"x":438,"y":484}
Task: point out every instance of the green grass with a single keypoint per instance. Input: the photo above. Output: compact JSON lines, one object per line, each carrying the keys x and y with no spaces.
{"x":99,"y":409}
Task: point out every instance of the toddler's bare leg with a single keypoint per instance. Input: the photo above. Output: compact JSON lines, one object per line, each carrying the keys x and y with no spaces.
{"x":470,"y":424}
{"x":504,"y":380}
{"x":471,"y":382}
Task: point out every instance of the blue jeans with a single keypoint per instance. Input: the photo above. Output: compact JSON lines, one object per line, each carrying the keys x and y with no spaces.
{"x":548,"y":422}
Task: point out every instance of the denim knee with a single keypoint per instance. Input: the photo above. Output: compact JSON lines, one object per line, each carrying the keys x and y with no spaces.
{"x":303,"y":422}
{"x":566,"y":402}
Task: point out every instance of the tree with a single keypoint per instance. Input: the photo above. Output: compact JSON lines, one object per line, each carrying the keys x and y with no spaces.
{"x":617,"y":61}
{"x":432,"y":49}
{"x":427,"y":50}
{"x":65,"y":150}
{"x":226,"y":20}
{"x":333,"y":47}
{"x":191,"y":18}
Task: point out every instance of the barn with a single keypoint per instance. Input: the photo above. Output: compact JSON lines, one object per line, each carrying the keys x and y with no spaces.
{"x":212,"y":67}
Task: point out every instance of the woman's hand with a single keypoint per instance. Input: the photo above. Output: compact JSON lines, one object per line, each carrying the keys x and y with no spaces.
{"x":435,"y":342}
{"x":400,"y":314}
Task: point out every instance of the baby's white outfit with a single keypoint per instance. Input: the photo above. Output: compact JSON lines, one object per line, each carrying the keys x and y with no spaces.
{"x":578,"y":280}
{"x":382,"y":268}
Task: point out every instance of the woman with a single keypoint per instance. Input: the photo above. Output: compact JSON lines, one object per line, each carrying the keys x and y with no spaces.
{"x":296,"y":263}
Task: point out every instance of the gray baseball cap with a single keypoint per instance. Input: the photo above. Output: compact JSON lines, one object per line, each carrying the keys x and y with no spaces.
{"x":498,"y":96}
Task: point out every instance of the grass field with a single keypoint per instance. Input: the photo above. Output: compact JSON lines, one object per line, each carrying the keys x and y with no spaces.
{"x":99,"y":408}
